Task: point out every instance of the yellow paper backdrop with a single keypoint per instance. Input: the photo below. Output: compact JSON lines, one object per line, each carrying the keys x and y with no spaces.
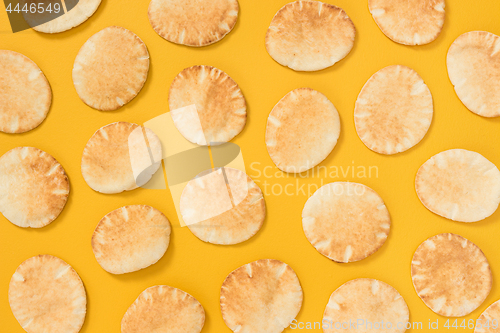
{"x":199,"y":268}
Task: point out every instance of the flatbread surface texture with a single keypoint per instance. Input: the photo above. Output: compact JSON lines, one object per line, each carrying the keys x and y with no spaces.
{"x":473,"y":63}
{"x":164,"y":309}
{"x":394,"y":110}
{"x":47,"y":295}
{"x":310,"y":35}
{"x":110,"y":68}
{"x":34,"y":187}
{"x":302,"y":130}
{"x":25,"y":94}
{"x":451,"y":275}
{"x":262,"y":296}
{"x":193,"y":22}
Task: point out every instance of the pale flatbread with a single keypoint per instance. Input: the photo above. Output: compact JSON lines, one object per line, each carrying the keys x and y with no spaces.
{"x":82,"y":11}
{"x":451,"y":275}
{"x":310,"y":35}
{"x":232,"y":202}
{"x":47,"y":295}
{"x":262,"y":296}
{"x":346,"y":221}
{"x":302,"y":130}
{"x":489,"y":320}
{"x":394,"y":110}
{"x":460,"y":185}
{"x":34,"y":187}
{"x":115,"y":152}
{"x":164,"y":309}
{"x":131,"y":238}
{"x":366,"y":300}
{"x":409,"y":22}
{"x":110,"y":68}
{"x":207,"y":106}
{"x":25,"y":94}
{"x":473,"y":63}
{"x":193,"y":22}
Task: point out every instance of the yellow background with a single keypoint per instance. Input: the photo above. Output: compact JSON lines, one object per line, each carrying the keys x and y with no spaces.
{"x":200,"y":268}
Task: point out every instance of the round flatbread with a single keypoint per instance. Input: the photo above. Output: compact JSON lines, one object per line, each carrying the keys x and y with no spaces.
{"x":193,"y":22}
{"x":47,"y":295}
{"x":110,"y":68}
{"x":489,"y":320}
{"x":117,"y":157}
{"x":80,"y":13}
{"x":366,"y":303}
{"x":131,"y":238}
{"x":262,"y":296}
{"x":25,"y":94}
{"x":34,"y":187}
{"x":164,"y":309}
{"x":217,"y":215}
{"x":460,"y":185}
{"x":409,"y":22}
{"x":451,"y":275}
{"x":310,"y":35}
{"x":394,"y":110}
{"x":346,"y":221}
{"x":473,"y":63}
{"x":206,"y":105}
{"x":302,"y":130}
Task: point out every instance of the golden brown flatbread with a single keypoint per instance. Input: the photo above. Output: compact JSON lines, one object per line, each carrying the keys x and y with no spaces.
{"x":47,"y":295}
{"x":460,"y":185}
{"x":451,"y":275}
{"x":164,"y":309}
{"x":110,"y":68}
{"x":346,"y":221}
{"x":302,"y":130}
{"x":473,"y":63}
{"x":409,"y":22}
{"x":193,"y":22}
{"x":262,"y":296}
{"x":34,"y":187}
{"x":394,"y":110}
{"x":131,"y":238}
{"x":206,"y":105}
{"x":25,"y":94}
{"x":310,"y":35}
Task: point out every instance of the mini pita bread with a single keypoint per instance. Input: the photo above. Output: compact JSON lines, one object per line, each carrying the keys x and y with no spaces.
{"x":487,"y":319}
{"x":394,"y":110}
{"x":206,"y":105}
{"x":302,"y":130}
{"x":310,"y":35}
{"x":80,"y":13}
{"x":346,"y":221}
{"x":47,"y":295}
{"x":368,"y":300}
{"x":409,"y":22}
{"x":25,"y":94}
{"x":451,"y":275}
{"x":116,"y":155}
{"x":110,"y":68}
{"x":131,"y":238}
{"x":34,"y":187}
{"x":473,"y":63}
{"x":193,"y":22}
{"x":233,"y":200}
{"x":164,"y":309}
{"x":262,"y":296}
{"x":460,"y":185}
